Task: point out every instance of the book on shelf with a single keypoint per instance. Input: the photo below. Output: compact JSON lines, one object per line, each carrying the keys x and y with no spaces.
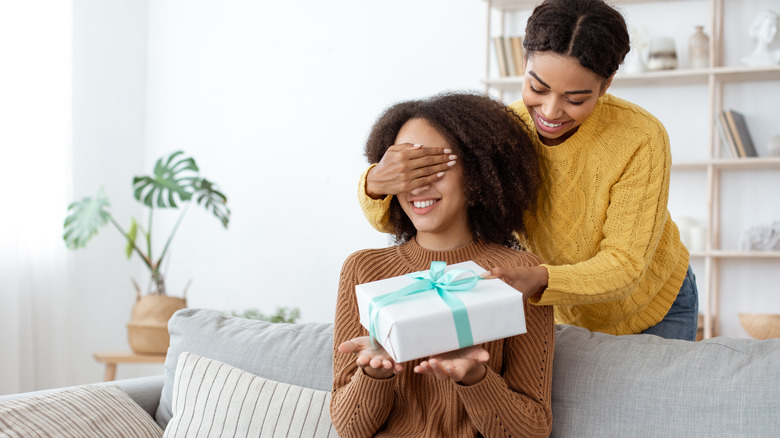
{"x":509,"y":55}
{"x":510,"y":58}
{"x":498,"y":44}
{"x":516,"y":43}
{"x":739,"y":131}
{"x":727,"y":140}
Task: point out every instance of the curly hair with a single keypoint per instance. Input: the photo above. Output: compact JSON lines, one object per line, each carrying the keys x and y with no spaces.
{"x":500,"y":164}
{"x":589,"y":30}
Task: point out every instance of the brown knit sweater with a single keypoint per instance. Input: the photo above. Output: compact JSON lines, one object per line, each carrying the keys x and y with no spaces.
{"x":513,"y":400}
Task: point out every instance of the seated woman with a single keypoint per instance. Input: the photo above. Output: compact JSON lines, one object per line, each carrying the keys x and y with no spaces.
{"x":500,"y":388}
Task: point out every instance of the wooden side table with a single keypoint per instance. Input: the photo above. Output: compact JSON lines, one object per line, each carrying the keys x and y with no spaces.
{"x":112,"y":359}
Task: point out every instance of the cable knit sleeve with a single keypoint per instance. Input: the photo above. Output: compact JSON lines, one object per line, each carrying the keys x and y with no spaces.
{"x":375,"y":210}
{"x":359,"y":404}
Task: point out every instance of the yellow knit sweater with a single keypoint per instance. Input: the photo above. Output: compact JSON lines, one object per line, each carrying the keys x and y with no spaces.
{"x":613,"y":253}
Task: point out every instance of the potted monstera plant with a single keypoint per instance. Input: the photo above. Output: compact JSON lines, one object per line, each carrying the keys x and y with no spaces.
{"x":175,"y":184}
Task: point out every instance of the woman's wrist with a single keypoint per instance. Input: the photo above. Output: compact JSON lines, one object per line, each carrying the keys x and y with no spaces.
{"x":372,"y":185}
{"x":542,"y":277}
{"x":474,"y":376}
{"x":379,"y":374}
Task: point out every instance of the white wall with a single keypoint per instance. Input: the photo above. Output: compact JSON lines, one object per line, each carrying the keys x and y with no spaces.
{"x":109,"y":117}
{"x":274,"y":100}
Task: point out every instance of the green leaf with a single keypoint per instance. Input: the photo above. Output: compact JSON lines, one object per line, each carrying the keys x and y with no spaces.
{"x":131,"y":234}
{"x":212,"y":199}
{"x":174,"y":177}
{"x":84,"y":220}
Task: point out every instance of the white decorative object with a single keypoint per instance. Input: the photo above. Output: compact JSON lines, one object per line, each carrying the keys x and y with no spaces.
{"x":684,"y":225}
{"x":698,"y":238}
{"x":773,"y":148}
{"x":634,"y":62}
{"x":692,"y":234}
{"x":662,"y":55}
{"x":699,"y":49}
{"x":761,"y":237}
{"x":763,"y":31}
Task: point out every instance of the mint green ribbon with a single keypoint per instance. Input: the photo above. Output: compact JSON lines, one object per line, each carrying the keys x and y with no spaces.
{"x":433,"y":280}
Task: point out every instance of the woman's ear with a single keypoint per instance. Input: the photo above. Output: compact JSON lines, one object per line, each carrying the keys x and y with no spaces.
{"x":605,"y":85}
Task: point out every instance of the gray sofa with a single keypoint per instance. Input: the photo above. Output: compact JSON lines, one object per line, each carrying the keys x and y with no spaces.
{"x":603,"y":385}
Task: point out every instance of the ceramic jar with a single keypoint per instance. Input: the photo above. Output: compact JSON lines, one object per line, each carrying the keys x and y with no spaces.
{"x":699,"y":48}
{"x":773,"y":148}
{"x":663,"y":55}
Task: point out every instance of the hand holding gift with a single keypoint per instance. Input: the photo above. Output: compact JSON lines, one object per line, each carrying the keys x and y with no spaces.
{"x":465,"y":366}
{"x":375,"y":362}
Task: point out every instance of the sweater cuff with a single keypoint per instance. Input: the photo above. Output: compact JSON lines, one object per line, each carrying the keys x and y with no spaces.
{"x":482,"y":395}
{"x":556,"y":282}
{"x":375,"y":210}
{"x":371,"y":388}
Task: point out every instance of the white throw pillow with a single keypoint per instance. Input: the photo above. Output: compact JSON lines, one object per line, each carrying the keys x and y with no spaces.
{"x":80,"y":411}
{"x":213,"y":399}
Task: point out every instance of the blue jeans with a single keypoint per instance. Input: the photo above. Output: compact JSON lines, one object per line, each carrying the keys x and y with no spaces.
{"x":683,"y":318}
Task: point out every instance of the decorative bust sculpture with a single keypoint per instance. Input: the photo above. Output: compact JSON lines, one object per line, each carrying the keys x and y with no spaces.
{"x":763,"y":31}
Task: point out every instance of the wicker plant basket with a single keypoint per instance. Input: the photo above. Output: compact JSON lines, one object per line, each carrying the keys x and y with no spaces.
{"x":761,"y":325}
{"x":147,"y":331}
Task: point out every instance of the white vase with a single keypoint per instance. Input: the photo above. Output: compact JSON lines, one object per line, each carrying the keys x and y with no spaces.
{"x":634,"y":63}
{"x":699,"y":49}
{"x":662,"y":54}
{"x":773,"y":148}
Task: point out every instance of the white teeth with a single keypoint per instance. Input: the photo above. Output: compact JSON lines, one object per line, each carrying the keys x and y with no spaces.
{"x":550,"y":125}
{"x":423,"y":204}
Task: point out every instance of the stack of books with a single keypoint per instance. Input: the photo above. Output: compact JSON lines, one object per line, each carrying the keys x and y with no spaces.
{"x":509,"y":55}
{"x":735,"y":134}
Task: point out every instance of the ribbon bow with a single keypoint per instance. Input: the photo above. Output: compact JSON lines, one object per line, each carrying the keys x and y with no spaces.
{"x":443,"y":284}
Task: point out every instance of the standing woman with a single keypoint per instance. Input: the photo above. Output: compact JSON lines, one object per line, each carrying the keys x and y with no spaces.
{"x":614,"y":261}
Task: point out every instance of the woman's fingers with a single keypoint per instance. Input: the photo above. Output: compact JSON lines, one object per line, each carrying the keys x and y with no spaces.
{"x":405,"y":167}
{"x":454,"y":365}
{"x":348,"y":347}
{"x":443,"y":371}
{"x":531,"y":281}
{"x":374,"y":361}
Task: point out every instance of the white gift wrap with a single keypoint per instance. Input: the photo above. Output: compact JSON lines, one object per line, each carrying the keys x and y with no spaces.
{"x":422,"y":325}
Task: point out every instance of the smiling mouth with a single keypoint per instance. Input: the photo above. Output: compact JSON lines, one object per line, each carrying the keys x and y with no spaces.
{"x":548,"y":124}
{"x":423,"y":204}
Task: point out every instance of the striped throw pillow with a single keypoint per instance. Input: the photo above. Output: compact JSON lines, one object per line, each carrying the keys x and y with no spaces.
{"x":80,"y":411}
{"x":213,"y":399}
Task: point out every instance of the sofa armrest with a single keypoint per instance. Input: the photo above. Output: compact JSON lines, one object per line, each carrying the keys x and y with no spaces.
{"x":143,"y":390}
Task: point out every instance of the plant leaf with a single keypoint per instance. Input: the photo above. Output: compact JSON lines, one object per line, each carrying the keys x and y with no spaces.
{"x":84,"y":220}
{"x":174,"y":177}
{"x":131,"y":234}
{"x":212,"y":199}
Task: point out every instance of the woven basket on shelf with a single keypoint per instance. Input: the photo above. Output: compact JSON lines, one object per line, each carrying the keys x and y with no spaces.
{"x":761,"y":325}
{"x":147,"y":331}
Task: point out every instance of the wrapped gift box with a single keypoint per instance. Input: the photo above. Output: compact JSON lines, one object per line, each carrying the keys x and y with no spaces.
{"x":422,"y":324}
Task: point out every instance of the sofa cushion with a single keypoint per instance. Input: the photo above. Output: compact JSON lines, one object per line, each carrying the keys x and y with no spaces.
{"x":643,"y":385}
{"x":211,"y":398}
{"x":88,"y":410}
{"x":280,"y":352}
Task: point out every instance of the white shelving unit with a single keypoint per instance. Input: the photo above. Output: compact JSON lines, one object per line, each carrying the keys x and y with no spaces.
{"x":715,"y":78}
